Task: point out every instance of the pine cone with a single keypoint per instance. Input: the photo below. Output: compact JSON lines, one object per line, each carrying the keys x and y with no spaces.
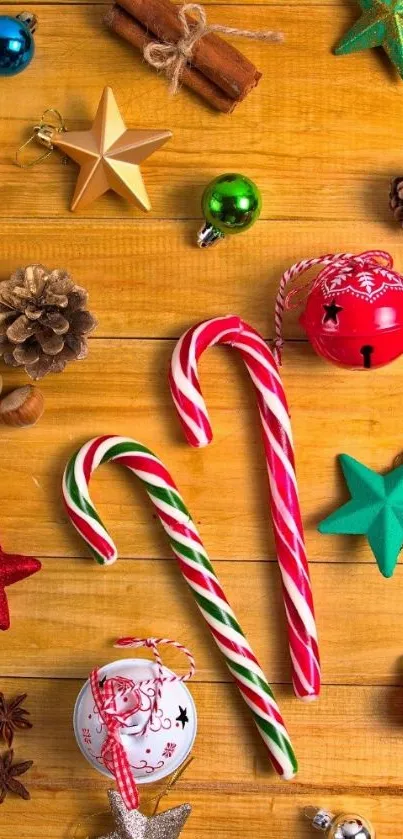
{"x":43,"y":320}
{"x":396,"y":199}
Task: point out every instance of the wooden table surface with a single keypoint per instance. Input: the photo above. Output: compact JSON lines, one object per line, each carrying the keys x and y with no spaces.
{"x":321,"y":136}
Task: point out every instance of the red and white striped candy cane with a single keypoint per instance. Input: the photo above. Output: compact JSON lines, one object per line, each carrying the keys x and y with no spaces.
{"x":279,"y":452}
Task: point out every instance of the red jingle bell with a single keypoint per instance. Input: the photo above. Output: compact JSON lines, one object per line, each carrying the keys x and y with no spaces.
{"x":354,"y":309}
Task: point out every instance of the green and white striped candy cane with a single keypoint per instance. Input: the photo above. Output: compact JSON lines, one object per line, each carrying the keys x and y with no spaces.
{"x":196,"y":569}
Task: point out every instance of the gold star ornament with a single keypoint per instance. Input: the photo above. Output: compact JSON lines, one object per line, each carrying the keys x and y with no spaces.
{"x":131,"y":824}
{"x":109,"y":155}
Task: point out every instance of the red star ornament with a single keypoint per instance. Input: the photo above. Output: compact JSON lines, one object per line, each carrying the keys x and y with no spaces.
{"x":13,"y":568}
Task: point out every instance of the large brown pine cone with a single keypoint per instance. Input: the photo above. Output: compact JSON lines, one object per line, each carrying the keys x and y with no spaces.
{"x":43,"y":320}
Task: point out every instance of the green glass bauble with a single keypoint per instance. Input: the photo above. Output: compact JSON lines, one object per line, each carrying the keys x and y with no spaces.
{"x":231,"y":203}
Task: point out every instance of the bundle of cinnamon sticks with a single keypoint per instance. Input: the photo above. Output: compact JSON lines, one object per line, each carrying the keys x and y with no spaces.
{"x":217,"y":71}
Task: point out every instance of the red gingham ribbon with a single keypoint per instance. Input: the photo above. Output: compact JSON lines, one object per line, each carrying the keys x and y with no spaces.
{"x":105,"y":697}
{"x":113,"y":752}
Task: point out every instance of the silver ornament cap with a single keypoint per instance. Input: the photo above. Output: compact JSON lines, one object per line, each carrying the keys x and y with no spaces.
{"x":208,"y":235}
{"x":30,"y":20}
{"x":321,"y":819}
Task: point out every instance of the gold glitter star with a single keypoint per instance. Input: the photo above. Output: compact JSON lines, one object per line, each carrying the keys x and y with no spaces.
{"x":131,"y":824}
{"x":109,"y":155}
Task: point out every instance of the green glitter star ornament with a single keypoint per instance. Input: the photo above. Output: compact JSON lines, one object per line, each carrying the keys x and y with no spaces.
{"x":380,"y":25}
{"x":131,"y":824}
{"x":375,"y":511}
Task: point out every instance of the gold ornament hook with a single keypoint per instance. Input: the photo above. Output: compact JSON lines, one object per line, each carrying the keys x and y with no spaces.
{"x":43,"y":134}
{"x":171,"y":783}
{"x":80,"y":826}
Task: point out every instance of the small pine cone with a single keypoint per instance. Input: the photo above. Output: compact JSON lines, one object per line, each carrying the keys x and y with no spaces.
{"x":396,"y":199}
{"x":43,"y":320}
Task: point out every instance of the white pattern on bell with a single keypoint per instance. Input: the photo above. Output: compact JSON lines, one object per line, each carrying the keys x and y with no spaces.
{"x":369,"y":285}
{"x":167,"y":741}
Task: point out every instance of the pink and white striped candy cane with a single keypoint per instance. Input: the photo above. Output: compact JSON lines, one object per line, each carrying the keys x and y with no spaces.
{"x":277,"y":437}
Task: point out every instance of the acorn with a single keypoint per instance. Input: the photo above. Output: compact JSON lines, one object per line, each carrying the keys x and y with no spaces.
{"x":22,"y":407}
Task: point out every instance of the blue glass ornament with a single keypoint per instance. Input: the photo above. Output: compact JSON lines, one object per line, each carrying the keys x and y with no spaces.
{"x":16,"y":43}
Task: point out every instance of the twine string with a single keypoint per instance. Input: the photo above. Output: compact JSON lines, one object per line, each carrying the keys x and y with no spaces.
{"x":171,"y":783}
{"x":109,"y":694}
{"x":347,"y":263}
{"x":159,"y":679}
{"x":172,"y":57}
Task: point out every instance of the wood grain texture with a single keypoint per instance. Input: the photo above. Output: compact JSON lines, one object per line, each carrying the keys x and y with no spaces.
{"x":228,"y":752}
{"x":130,"y":378}
{"x":65,"y":619}
{"x":294,"y":148}
{"x":322,"y":137}
{"x":73,"y":810}
{"x":149,"y":280}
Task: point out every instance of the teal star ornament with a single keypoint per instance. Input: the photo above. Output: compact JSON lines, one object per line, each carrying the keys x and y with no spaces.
{"x":380,"y":25}
{"x":375,"y":511}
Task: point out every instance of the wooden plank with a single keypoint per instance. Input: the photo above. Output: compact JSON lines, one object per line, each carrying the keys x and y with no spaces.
{"x":228,"y":750}
{"x":304,"y":194}
{"x":310,"y":162}
{"x":315,"y":138}
{"x":66,"y":618}
{"x":154,"y":282}
{"x":121,"y":388}
{"x":215,"y":813}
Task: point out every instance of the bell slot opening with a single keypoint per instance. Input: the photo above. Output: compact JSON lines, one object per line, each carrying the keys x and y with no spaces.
{"x":366,"y":352}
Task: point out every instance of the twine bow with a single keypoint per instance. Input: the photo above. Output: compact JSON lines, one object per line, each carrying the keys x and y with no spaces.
{"x":110,"y":693}
{"x":173,"y":57}
{"x":346,"y":263}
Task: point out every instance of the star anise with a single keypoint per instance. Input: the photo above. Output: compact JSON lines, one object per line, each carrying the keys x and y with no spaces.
{"x":8,"y":776}
{"x":12,"y":717}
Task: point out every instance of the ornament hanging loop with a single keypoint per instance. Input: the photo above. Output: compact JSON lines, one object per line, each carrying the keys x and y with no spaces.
{"x":42,"y":134}
{"x":19,"y":161}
